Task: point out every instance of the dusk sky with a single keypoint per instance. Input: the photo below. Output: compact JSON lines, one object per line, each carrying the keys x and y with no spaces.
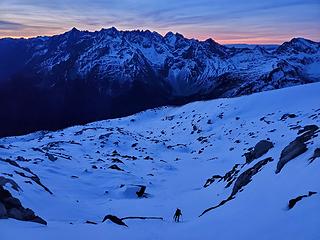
{"x":226,"y":21}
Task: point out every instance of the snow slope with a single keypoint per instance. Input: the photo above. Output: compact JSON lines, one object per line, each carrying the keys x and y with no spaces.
{"x":172,"y":151}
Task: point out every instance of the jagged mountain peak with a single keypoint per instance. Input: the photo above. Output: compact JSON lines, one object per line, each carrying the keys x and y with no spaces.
{"x":72,"y":32}
{"x":301,"y":40}
{"x":171,"y":38}
{"x":297,"y":45}
{"x":211,"y":41}
{"x":74,"y":29}
{"x":111,"y":29}
{"x":171,"y":34}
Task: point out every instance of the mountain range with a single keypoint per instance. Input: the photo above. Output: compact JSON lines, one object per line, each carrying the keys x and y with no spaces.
{"x":47,"y":83}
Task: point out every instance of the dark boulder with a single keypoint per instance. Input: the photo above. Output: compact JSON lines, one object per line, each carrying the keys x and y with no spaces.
{"x":259,"y":150}
{"x":288,"y":115}
{"x":115,"y":167}
{"x":141,"y":191}
{"x":51,"y":157}
{"x":311,"y":128}
{"x":10,"y":207}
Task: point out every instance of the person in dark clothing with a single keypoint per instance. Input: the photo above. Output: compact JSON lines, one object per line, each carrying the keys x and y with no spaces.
{"x":177,"y":215}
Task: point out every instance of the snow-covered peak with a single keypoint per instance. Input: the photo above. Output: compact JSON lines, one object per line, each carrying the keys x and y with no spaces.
{"x":170,"y":38}
{"x":298,"y":45}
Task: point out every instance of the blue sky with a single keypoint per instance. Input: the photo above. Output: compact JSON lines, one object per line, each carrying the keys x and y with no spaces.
{"x":226,"y":21}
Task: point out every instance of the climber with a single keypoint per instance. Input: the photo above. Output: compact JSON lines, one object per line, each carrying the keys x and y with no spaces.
{"x":177,"y":215}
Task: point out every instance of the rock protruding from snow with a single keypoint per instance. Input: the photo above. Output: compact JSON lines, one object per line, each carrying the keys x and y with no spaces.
{"x":288,"y":115}
{"x":4,"y":181}
{"x":11,"y":207}
{"x":315,"y":155}
{"x":114,"y":219}
{"x":296,"y":147}
{"x":243,"y":180}
{"x":259,"y":150}
{"x":247,"y":175}
{"x":292,"y":202}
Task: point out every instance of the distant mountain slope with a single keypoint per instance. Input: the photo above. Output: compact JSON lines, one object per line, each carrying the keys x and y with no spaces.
{"x":249,"y":166}
{"x":81,"y":76}
{"x":268,"y":47}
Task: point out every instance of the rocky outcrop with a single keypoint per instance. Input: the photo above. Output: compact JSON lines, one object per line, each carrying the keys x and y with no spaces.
{"x":246,"y":176}
{"x":292,"y":202}
{"x":297,"y":146}
{"x":114,"y":219}
{"x":229,"y":177}
{"x":51,"y":157}
{"x":212,"y":180}
{"x":288,"y":115}
{"x":10,"y":207}
{"x":141,"y":191}
{"x":119,"y":221}
{"x":243,"y":180}
{"x":259,"y":150}
{"x":4,"y":181}
{"x":293,"y":150}
{"x":115,"y":167}
{"x":308,"y":128}
{"x":315,"y":155}
{"x":34,"y":177}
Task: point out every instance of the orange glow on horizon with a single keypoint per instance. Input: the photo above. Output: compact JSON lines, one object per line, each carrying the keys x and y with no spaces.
{"x":219,"y":38}
{"x":244,"y":40}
